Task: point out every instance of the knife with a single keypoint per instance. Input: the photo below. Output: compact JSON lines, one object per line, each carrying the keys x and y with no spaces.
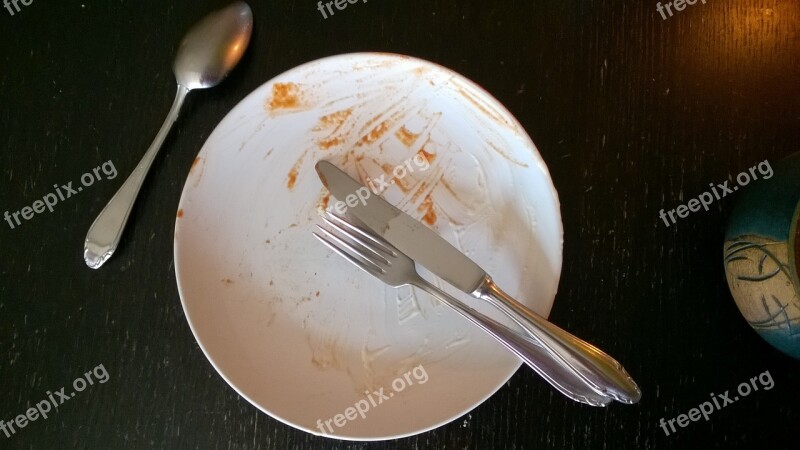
{"x":599,"y":370}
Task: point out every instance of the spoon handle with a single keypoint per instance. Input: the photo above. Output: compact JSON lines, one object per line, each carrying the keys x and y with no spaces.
{"x":104,"y":234}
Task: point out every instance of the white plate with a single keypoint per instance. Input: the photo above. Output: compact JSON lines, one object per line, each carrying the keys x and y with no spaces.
{"x":302,"y":334}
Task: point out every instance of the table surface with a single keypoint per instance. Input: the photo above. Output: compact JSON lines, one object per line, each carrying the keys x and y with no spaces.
{"x":631,"y":111}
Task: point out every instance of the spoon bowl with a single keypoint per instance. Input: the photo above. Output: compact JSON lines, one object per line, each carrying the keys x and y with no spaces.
{"x":213,"y":47}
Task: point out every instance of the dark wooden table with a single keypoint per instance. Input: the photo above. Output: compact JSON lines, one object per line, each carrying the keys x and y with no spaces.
{"x":633,"y":112}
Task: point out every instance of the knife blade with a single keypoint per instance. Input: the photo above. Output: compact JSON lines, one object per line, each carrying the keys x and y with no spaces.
{"x":599,"y":370}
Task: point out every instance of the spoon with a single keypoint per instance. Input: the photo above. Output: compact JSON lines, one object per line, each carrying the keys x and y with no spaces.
{"x":207,"y":53}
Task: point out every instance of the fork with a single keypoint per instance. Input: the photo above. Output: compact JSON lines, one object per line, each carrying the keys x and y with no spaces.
{"x":382,"y":260}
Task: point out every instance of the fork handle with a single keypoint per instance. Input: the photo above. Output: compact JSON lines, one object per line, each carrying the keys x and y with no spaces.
{"x":593,"y":365}
{"x":559,"y":376}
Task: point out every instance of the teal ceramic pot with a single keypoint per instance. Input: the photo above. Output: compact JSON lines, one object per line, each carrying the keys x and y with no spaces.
{"x":762,"y":253}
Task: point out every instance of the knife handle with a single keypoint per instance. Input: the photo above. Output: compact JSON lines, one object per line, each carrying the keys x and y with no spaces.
{"x":561,"y":377}
{"x":589,"y":362}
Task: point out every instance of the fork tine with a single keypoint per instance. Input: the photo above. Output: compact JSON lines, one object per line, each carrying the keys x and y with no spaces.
{"x":382,"y":245}
{"x":353,"y":255}
{"x":356,"y":238}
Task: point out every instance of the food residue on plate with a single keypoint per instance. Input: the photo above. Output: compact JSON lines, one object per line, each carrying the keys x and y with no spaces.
{"x":427,"y":205}
{"x":180,"y":213}
{"x":324,"y":199}
{"x":419,"y":191}
{"x":326,"y":355}
{"x":333,"y":141}
{"x":406,"y":137}
{"x":487,"y":110}
{"x":198,"y":165}
{"x":291,"y":177}
{"x":374,"y":134}
{"x":284,"y":96}
{"x":195,"y":163}
{"x":335,"y":121}
{"x":428,"y":156}
{"x":401,"y":183}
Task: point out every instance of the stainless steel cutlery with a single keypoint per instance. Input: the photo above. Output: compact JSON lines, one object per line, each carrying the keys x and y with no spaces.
{"x":396,"y":269}
{"x":578,"y":369}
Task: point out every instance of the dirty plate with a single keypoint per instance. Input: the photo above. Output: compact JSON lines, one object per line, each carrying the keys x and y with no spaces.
{"x":300,"y":333}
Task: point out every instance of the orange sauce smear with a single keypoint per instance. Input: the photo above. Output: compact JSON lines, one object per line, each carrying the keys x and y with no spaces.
{"x":284,"y":96}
